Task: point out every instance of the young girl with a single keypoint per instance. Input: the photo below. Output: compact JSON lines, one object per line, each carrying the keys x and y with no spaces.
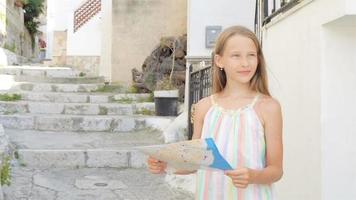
{"x":243,"y":119}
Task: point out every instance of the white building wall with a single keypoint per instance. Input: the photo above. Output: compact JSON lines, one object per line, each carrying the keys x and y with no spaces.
{"x":312,"y":72}
{"x":106,"y":38}
{"x":86,"y":41}
{"x":225,"y":13}
{"x":338,"y":115}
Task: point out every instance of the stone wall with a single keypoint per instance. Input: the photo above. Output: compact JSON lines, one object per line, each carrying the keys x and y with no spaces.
{"x":10,"y":58}
{"x":87,"y":64}
{"x":17,"y":38}
{"x":5,"y":153}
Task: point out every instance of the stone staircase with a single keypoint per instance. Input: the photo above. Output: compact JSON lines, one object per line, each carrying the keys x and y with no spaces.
{"x":75,"y":140}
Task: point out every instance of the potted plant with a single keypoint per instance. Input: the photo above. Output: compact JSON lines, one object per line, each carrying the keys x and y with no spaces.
{"x":166,"y":94}
{"x":166,"y":98}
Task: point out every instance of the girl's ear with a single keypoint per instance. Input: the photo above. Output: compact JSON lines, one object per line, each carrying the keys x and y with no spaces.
{"x":217,"y":60}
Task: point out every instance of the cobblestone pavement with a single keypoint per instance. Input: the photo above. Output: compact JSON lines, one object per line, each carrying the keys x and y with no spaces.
{"x":89,"y":184}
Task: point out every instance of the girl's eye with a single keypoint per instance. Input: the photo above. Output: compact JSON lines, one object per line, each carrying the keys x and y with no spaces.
{"x":252,"y":55}
{"x":236,"y":55}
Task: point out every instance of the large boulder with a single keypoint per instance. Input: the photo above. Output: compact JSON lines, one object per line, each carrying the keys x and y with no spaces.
{"x":159,"y":64}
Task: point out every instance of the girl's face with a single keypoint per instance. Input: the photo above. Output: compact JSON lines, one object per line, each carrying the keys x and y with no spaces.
{"x":239,"y":59}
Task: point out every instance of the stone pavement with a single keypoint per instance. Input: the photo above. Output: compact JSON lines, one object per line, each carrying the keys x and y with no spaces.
{"x":89,"y":184}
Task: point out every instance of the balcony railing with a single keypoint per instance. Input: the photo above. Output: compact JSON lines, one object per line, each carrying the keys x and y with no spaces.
{"x":85,"y":12}
{"x":200,"y":85}
{"x":266,"y":10}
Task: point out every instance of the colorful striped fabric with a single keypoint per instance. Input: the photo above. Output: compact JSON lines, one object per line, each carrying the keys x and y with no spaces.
{"x":239,"y":136}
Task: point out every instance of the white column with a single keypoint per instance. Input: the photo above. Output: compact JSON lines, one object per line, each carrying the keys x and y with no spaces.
{"x":106,"y":40}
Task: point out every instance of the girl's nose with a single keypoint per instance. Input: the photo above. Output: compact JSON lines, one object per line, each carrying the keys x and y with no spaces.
{"x":244,"y":62}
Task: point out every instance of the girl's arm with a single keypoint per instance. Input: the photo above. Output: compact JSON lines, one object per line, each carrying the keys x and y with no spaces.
{"x":271,"y":114}
{"x":273,"y":124}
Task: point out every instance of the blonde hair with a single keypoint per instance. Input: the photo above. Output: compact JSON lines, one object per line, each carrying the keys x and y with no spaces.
{"x":259,"y":81}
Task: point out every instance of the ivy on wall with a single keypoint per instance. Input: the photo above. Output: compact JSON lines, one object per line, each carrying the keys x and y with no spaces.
{"x":32,"y":8}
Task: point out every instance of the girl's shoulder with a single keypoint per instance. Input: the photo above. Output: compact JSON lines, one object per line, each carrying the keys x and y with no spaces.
{"x":204,"y":103}
{"x":267,"y":105}
{"x":202,"y":106}
{"x":268,"y":101}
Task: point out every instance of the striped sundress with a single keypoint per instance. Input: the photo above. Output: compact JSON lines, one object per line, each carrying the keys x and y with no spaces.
{"x":239,"y":136}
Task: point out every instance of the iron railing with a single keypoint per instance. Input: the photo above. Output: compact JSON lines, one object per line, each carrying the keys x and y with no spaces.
{"x":266,"y":10}
{"x":200,"y":85}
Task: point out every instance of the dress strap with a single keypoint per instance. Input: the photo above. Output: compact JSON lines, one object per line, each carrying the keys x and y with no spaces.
{"x":255,"y":100}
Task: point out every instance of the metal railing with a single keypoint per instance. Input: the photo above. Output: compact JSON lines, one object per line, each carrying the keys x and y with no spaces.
{"x":266,"y":10}
{"x":200,"y":86}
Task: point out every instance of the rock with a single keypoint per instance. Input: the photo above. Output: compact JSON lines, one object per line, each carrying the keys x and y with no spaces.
{"x":179,"y":53}
{"x":159,"y":64}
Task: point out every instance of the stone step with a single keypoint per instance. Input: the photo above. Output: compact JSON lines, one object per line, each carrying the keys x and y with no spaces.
{"x":89,"y":184}
{"x":72,"y":80}
{"x":72,"y":149}
{"x":67,"y":97}
{"x":50,"y":72}
{"x":53,"y":87}
{"x":18,"y":107}
{"x":82,"y":123}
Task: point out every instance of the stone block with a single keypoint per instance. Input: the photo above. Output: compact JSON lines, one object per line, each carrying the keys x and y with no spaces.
{"x":107,"y":158}
{"x":138,"y":159}
{"x":45,"y":108}
{"x":17,"y":121}
{"x":52,"y":158}
{"x":82,"y":109}
{"x":99,"y":98}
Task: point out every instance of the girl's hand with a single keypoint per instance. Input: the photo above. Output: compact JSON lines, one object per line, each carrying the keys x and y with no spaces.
{"x":156,"y":166}
{"x":240,"y":177}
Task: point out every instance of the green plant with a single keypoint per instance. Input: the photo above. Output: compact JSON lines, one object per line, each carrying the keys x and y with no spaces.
{"x":125,"y":100}
{"x":109,"y":88}
{"x":146,"y":99}
{"x":10,"y":97}
{"x":145,"y":111}
{"x":5,"y":173}
{"x":132,"y":89}
{"x":82,"y":74}
{"x":32,"y":8}
{"x":16,"y":155}
{"x":3,"y":18}
{"x":11,"y":48}
{"x":8,"y":112}
{"x":103,"y":110}
{"x":165,"y":84}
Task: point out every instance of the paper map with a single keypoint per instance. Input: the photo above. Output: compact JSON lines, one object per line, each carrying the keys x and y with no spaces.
{"x":189,"y":155}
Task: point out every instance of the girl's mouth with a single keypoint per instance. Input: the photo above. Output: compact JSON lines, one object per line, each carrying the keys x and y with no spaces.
{"x":244,"y":72}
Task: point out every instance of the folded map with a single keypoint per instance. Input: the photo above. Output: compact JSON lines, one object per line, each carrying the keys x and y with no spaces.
{"x":189,"y":155}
